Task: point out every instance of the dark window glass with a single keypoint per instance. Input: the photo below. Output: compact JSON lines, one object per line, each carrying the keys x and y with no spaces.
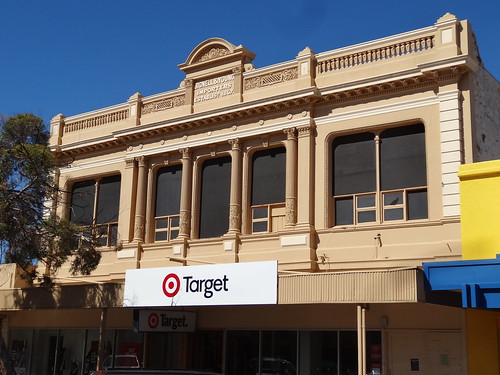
{"x":417,"y":204}
{"x":348,"y":345}
{"x":82,"y":203}
{"x":402,"y":157}
{"x":108,"y":200}
{"x":279,"y":352}
{"x":393,"y":214}
{"x":215,"y":193}
{"x":354,"y":168}
{"x":161,"y":236}
{"x":168,"y":191}
{"x":259,"y":226}
{"x":374,"y":352}
{"x":260,"y":212}
{"x":268,"y":176}
{"x":205,"y":351}
{"x":242,"y":357}
{"x":344,"y":211}
{"x":87,"y":211}
{"x":318,"y":352}
{"x":366,"y":216}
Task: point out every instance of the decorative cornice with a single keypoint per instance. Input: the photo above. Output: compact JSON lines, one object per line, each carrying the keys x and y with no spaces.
{"x":261,"y":109}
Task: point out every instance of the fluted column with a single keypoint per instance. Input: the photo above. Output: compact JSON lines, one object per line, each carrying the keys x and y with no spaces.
{"x":235,"y":198}
{"x":305,"y":175}
{"x":291,"y":176}
{"x":140,"y":204}
{"x":186,"y":191}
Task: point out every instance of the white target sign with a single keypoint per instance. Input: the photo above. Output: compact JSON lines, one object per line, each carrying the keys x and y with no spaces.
{"x":219,"y":284}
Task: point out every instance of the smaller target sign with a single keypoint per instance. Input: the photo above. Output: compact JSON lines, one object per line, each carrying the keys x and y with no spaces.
{"x":166,"y":321}
{"x":153,"y":320}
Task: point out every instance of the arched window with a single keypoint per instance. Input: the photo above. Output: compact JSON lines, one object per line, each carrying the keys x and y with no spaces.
{"x":95,"y":206}
{"x":380,"y":178}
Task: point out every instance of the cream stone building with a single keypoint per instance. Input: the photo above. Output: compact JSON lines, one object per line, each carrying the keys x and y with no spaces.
{"x":270,"y":220}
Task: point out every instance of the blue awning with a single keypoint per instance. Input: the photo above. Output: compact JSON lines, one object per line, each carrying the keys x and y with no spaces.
{"x":478,"y":280}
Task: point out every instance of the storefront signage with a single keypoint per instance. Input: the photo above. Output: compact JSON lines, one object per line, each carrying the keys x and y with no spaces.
{"x":214,"y":88}
{"x":166,"y":321}
{"x":253,"y":283}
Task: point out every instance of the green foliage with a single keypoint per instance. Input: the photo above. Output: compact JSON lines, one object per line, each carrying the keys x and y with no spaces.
{"x":30,"y":233}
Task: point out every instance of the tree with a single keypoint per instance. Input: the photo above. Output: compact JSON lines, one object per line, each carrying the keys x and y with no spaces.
{"x":31,"y":235}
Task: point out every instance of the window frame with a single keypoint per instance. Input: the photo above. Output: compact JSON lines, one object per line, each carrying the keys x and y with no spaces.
{"x":200,"y":163}
{"x":379,"y":207}
{"x":276,"y":211}
{"x":96,"y":231}
{"x":171,"y":218}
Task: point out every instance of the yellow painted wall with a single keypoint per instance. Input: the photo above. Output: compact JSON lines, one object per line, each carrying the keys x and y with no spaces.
{"x":480,"y":209}
{"x":480,"y":217}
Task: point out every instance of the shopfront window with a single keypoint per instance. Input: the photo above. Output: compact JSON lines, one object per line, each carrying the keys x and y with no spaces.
{"x":58,"y":351}
{"x":319,"y":352}
{"x":279,"y":352}
{"x":242,"y":352}
{"x":300,"y":352}
{"x":21,"y":344}
{"x":205,"y":351}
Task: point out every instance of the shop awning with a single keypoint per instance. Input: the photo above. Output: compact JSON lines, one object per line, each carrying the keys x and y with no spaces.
{"x":373,"y":286}
{"x":477,"y":280}
{"x":62,"y":297}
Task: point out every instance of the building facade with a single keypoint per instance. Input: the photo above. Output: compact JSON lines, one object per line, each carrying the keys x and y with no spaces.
{"x":335,"y":173}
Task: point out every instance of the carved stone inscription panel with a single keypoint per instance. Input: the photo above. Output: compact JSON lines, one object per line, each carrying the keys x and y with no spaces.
{"x":213,"y":88}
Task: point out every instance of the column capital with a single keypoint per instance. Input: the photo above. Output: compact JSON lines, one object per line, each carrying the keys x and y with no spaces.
{"x":129,"y":163}
{"x":291,"y":133}
{"x":235,"y":144}
{"x":141,"y":161}
{"x":185,"y":152}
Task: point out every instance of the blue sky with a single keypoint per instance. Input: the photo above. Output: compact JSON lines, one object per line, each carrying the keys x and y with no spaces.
{"x":70,"y":57}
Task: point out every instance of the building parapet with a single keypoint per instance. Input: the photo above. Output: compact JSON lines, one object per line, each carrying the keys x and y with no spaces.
{"x":229,"y":79}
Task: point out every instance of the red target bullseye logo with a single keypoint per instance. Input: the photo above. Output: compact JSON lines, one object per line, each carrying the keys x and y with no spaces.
{"x":153,"y":320}
{"x":171,"y":285}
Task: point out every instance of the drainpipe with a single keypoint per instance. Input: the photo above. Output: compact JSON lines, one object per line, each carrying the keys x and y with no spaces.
{"x":361,"y":326}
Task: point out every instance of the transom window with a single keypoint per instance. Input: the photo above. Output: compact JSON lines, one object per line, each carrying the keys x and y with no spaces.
{"x":268,"y":190}
{"x":167,"y":207}
{"x":380,"y":177}
{"x":95,"y":207}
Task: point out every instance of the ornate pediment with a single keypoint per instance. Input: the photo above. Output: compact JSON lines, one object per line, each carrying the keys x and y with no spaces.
{"x":214,"y":51}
